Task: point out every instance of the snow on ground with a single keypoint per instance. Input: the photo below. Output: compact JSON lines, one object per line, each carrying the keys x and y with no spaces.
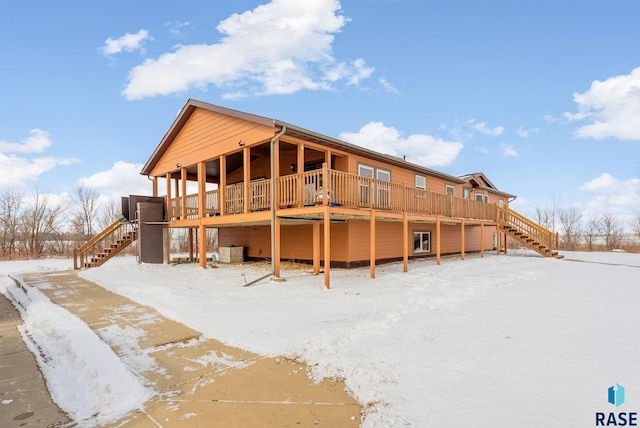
{"x":83,"y":374}
{"x":513,"y":340}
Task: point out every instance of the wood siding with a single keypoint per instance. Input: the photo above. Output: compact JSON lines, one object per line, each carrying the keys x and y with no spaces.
{"x":207,"y":135}
{"x":350,"y":241}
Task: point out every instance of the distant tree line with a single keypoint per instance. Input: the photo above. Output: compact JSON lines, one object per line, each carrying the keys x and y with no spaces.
{"x":605,"y":232}
{"x":37,"y":225}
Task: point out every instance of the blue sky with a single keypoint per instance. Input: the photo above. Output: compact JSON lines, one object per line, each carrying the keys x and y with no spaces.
{"x":543,"y":97}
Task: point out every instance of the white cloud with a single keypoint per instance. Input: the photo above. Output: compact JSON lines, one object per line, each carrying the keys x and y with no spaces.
{"x":418,"y":148}
{"x":508,"y":150}
{"x":484,"y":129}
{"x":611,"y":106}
{"x":129,"y":43}
{"x":122,"y":179}
{"x":483,"y":149}
{"x":17,"y":171}
{"x":277,"y":48}
{"x":176,"y":27}
{"x":37,"y":142}
{"x":619,"y":197}
{"x":388,"y":86}
{"x":524,"y":133}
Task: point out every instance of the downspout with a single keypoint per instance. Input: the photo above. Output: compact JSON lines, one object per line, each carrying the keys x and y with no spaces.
{"x":273,"y":200}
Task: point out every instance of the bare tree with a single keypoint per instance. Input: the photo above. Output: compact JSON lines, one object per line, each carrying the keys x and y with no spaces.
{"x":635,"y":225}
{"x":612,"y":230}
{"x":545,"y":218}
{"x":10,"y":213}
{"x":570,"y":224}
{"x":41,"y":223}
{"x":108,"y":214}
{"x":591,"y":233}
{"x":87,"y":208}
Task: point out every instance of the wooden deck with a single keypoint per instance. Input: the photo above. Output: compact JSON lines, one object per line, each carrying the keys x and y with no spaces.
{"x":346,"y":191}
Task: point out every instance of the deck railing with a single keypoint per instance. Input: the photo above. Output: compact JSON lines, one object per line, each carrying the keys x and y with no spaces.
{"x":344,"y":190}
{"x":532,"y":230}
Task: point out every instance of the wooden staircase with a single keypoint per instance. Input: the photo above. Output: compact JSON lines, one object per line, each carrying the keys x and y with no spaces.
{"x":106,"y":244}
{"x":528,"y":233}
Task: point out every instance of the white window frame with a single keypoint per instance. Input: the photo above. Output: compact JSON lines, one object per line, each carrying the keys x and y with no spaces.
{"x":423,"y":180}
{"x":501,"y":203}
{"x":383,"y":171}
{"x":367,"y":168}
{"x":481,"y":197}
{"x":446,"y":190}
{"x":466,"y":193}
{"x":421,"y":250}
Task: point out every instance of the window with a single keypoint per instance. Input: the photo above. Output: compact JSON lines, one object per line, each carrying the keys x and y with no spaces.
{"x":482,"y":198}
{"x":365,"y":171}
{"x":501,"y":203}
{"x":421,"y":182}
{"x":449,"y":190}
{"x":466,"y":193}
{"x":383,"y":175}
{"x":421,"y":242}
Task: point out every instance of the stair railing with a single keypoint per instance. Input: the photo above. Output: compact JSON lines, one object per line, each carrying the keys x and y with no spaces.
{"x":107,"y":239}
{"x":535,"y":232}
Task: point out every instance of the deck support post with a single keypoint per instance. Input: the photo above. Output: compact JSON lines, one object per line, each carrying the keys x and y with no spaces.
{"x":202,"y":248}
{"x":166,"y":233}
{"x":482,"y":239}
{"x":462,"y":239}
{"x":438,"y":261}
{"x":498,"y":241}
{"x":316,"y":247}
{"x":372,"y":245}
{"x":327,"y":248}
{"x":183,"y":193}
{"x":276,"y":255}
{"x":222,"y":200}
{"x":154,"y":191}
{"x":300,"y":170}
{"x":246,"y":161}
{"x":190,"y":239}
{"x":405,"y":243}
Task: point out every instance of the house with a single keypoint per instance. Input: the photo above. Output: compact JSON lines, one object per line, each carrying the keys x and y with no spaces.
{"x":335,"y":204}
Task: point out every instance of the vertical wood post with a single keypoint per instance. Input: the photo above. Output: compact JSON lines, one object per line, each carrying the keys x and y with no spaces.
{"x":325,"y":185}
{"x":299,"y":170}
{"x":316,"y":247}
{"x":246,"y":160}
{"x":190,"y":239}
{"x":202,"y":188}
{"x":372,"y":245}
{"x":405,"y":243}
{"x":167,"y":230}
{"x":222,"y":197}
{"x":327,"y":248}
{"x":155,"y":186}
{"x":482,"y":239}
{"x":462,"y":240}
{"x":202,"y":249}
{"x":183,"y":193}
{"x":438,"y":240}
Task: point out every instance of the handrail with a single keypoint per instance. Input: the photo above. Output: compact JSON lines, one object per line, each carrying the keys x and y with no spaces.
{"x":105,"y":243}
{"x":534,"y":231}
{"x":341,"y":189}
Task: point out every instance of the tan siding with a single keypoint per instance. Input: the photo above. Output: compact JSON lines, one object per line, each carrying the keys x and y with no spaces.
{"x":207,"y":135}
{"x":296,"y":241}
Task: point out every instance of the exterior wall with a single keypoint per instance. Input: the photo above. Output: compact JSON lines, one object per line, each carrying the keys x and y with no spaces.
{"x":207,"y":135}
{"x":296,"y":241}
{"x":350,"y":241}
